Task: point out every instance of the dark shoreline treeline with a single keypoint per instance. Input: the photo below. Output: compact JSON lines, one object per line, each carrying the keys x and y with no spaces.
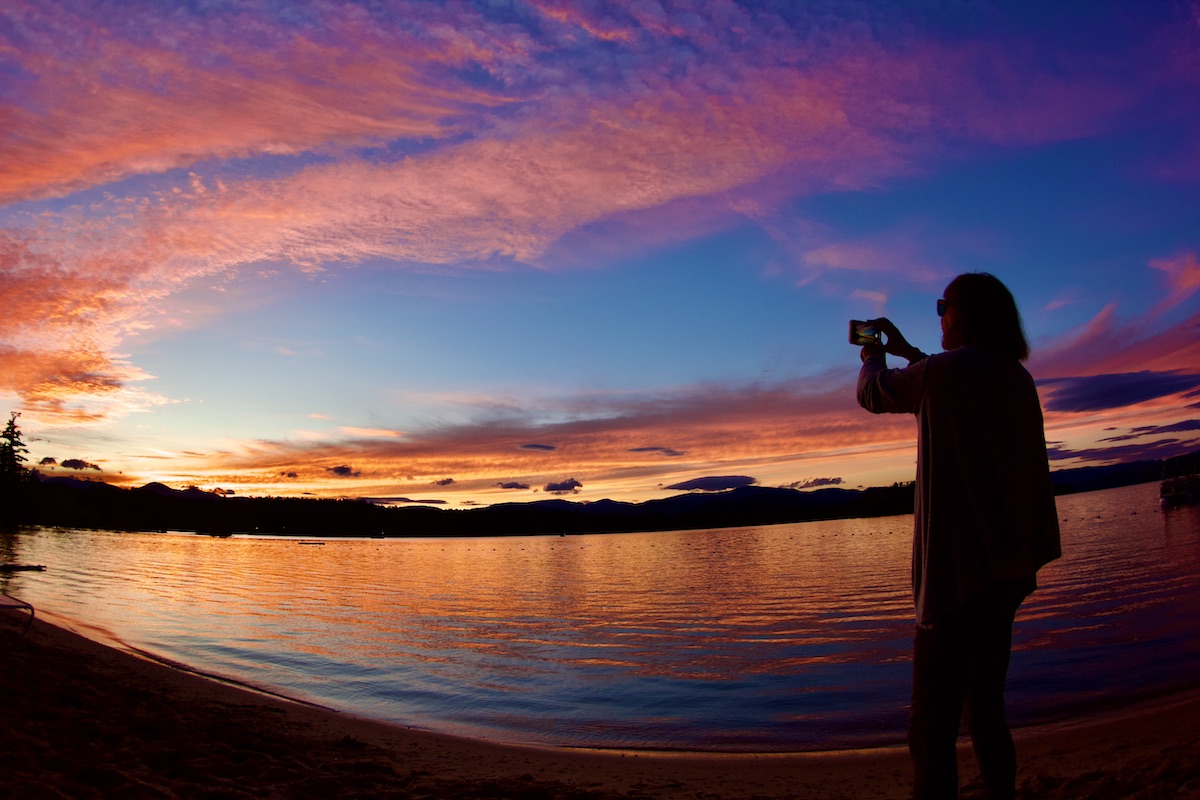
{"x":73,"y":503}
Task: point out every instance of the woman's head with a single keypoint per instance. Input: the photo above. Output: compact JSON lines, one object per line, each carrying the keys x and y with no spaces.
{"x":981,"y":312}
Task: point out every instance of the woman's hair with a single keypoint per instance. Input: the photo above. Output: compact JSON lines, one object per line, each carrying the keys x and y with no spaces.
{"x":988,"y":315}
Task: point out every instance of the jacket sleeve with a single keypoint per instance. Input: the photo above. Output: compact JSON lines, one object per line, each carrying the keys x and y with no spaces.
{"x":891,"y":391}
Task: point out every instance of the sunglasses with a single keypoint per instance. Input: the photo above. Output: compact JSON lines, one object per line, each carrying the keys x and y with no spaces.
{"x":941,"y":306}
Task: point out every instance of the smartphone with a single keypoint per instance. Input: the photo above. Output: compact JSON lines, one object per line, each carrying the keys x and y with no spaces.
{"x":864,"y":333}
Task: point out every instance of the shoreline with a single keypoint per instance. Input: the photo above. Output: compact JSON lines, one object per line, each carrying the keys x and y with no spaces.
{"x":87,"y":720}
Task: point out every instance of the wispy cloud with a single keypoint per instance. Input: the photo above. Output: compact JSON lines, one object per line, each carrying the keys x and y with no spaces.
{"x":370,"y":433}
{"x":1122,"y":453}
{"x":571,"y":140}
{"x":74,"y":384}
{"x":1108,"y":344}
{"x":1143,"y":431}
{"x":163,"y":89}
{"x":1183,"y":279}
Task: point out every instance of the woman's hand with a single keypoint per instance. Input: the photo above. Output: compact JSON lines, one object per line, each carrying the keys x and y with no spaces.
{"x":893,"y":342}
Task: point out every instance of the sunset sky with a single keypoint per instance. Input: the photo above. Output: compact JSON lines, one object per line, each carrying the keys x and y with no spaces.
{"x":469,"y":253}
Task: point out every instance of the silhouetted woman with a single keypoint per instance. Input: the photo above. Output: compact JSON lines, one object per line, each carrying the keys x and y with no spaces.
{"x":985,"y":521}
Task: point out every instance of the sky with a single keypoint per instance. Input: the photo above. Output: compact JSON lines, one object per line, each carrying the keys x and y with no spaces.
{"x":464,"y":253}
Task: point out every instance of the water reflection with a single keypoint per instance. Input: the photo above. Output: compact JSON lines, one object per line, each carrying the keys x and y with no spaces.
{"x":770,"y":638}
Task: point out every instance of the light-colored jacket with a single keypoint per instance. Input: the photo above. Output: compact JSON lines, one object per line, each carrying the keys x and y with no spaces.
{"x":985,"y":508}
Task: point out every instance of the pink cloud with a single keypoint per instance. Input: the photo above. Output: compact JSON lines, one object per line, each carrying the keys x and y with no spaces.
{"x":1108,"y":345}
{"x":1155,"y":341}
{"x":897,"y":252}
{"x":572,"y":15}
{"x":1183,"y":279}
{"x":147,"y":93}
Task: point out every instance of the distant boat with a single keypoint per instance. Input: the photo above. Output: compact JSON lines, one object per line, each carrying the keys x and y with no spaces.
{"x":1182,"y":490}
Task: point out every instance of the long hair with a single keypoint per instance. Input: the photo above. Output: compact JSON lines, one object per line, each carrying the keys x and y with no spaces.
{"x":988,"y":313}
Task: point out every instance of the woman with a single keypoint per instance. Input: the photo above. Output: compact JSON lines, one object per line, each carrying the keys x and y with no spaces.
{"x":985,"y":521}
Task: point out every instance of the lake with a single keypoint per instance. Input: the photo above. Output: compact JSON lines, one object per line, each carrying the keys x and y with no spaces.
{"x":775,"y":638}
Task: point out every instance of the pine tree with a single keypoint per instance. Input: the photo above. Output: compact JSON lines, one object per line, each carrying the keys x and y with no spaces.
{"x":12,"y":451}
{"x":15,"y":481}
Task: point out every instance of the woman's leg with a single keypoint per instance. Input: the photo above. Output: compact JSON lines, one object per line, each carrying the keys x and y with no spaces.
{"x":987,"y":670}
{"x":937,"y":703}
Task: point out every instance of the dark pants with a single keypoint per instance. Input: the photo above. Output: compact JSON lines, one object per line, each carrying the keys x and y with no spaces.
{"x":960,"y":665}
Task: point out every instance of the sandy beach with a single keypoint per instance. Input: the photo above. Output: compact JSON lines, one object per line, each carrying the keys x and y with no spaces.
{"x":84,"y":720}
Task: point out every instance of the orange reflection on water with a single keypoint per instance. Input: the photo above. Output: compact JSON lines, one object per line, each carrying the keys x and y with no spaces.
{"x":555,"y":617}
{"x":754,"y":638}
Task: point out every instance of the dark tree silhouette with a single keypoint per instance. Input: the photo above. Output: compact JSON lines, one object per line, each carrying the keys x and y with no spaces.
{"x":12,"y":449}
{"x":14,"y":475}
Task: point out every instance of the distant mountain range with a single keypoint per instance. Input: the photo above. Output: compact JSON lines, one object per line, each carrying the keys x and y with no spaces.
{"x":72,"y":502}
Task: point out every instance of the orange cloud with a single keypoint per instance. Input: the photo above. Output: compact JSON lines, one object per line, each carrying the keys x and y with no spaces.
{"x":72,"y":386}
{"x":629,"y":441}
{"x":370,"y":433}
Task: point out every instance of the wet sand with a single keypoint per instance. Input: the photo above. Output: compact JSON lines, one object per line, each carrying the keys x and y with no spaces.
{"x":83,"y":720}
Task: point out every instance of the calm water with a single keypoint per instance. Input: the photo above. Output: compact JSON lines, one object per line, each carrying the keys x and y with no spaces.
{"x":787,"y":637}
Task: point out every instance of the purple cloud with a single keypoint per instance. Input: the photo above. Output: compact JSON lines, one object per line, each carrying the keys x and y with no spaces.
{"x":812,"y":483}
{"x":1156,"y":430}
{"x":80,"y":464}
{"x":569,"y":486}
{"x":1125,"y":453}
{"x":1100,"y":392}
{"x":392,"y":501}
{"x":716,"y":483}
{"x":666,"y":451}
{"x":343,"y":471}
